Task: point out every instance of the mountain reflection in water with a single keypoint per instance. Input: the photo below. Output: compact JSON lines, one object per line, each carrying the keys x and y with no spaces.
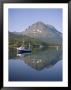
{"x":39,"y":58}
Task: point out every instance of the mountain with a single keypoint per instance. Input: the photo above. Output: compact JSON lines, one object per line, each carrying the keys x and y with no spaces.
{"x":46,"y":33}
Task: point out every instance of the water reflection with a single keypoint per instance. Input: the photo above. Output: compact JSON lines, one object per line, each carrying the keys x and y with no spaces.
{"x":40,"y":58}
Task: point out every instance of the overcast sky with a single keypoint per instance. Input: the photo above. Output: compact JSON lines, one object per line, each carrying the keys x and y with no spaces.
{"x":20,"y":19}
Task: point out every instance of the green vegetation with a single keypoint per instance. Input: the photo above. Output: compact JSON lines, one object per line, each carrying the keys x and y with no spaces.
{"x":17,"y":40}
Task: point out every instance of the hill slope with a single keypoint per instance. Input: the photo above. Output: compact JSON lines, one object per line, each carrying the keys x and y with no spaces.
{"x":46,"y":33}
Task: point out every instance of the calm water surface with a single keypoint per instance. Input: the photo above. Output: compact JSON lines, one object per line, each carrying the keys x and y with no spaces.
{"x":41,"y":65}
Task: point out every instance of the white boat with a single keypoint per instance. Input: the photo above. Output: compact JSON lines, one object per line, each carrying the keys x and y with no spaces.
{"x":22,"y":49}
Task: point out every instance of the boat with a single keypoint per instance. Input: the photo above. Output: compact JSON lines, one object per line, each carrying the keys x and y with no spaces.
{"x":22,"y":49}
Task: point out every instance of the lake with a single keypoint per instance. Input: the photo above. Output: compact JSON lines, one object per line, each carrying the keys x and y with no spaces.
{"x":42,"y":64}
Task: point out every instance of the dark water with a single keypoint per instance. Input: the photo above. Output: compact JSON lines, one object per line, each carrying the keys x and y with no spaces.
{"x":41,"y":65}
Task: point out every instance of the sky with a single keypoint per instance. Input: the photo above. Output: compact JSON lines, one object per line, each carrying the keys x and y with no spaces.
{"x":20,"y":19}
